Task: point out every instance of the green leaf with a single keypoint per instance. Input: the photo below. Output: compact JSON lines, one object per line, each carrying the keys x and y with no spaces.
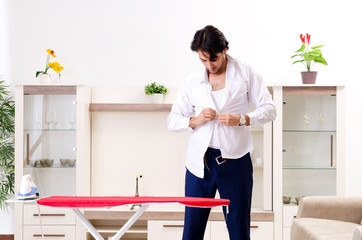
{"x":298,"y":61}
{"x":301,"y":54}
{"x":301,"y":48}
{"x":314,"y":47}
{"x":38,"y":72}
{"x":320,"y":60}
{"x":316,"y":53}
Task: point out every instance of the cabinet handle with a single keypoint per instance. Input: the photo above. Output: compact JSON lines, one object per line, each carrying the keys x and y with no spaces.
{"x":49,"y":235}
{"x":331,"y":150}
{"x":171,"y":226}
{"x":254,"y":226}
{"x":50,"y":215}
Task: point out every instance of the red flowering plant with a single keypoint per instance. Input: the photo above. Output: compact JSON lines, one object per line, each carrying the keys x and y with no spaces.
{"x":309,"y":54}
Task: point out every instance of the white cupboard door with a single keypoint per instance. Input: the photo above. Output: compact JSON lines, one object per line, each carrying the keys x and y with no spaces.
{"x":166,"y":230}
{"x":289,"y":214}
{"x":48,"y":215}
{"x":219,"y":230}
{"x":50,"y":232}
{"x":258,"y":230}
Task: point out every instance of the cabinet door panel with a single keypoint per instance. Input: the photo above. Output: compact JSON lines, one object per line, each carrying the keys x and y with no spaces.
{"x":289,"y":214}
{"x":258,"y":230}
{"x":166,"y":230}
{"x":48,"y":215}
{"x":50,"y":232}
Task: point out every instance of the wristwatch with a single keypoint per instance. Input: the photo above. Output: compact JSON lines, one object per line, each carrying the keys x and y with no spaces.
{"x":242,"y":120}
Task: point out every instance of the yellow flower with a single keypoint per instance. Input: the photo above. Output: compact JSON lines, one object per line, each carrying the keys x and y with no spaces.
{"x":51,"y":52}
{"x":56,"y":66}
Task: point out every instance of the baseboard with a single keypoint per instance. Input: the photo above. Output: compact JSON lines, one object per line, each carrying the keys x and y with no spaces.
{"x":7,"y":237}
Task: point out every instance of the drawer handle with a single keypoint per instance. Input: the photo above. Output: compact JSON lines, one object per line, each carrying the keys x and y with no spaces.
{"x":171,"y":226}
{"x":254,"y":226}
{"x":49,"y":235}
{"x":50,"y":215}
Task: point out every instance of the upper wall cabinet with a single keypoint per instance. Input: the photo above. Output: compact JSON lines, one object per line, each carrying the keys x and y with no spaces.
{"x":52,"y":143}
{"x":308,"y":143}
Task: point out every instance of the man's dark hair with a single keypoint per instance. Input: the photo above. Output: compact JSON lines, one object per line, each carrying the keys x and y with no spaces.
{"x":210,"y":40}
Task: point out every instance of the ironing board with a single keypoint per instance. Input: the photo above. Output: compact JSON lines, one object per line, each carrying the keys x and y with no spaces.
{"x":76,"y":202}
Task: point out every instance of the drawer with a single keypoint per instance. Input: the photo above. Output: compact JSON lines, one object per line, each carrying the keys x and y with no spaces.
{"x":49,"y":215}
{"x":50,"y":232}
{"x":258,"y":230}
{"x":166,"y":230}
{"x":289,"y":214}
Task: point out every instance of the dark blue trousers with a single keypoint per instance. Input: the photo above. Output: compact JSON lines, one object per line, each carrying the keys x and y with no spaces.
{"x":233,"y":179}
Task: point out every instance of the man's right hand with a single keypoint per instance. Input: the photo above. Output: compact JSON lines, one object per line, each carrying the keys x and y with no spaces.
{"x":206,"y":115}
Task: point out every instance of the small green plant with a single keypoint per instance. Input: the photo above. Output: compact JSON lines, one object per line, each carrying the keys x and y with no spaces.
{"x":7,"y":129}
{"x":155,"y":88}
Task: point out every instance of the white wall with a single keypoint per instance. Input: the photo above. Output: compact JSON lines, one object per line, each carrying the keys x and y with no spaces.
{"x":131,"y":43}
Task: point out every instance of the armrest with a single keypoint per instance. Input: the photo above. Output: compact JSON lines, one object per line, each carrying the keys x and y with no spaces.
{"x":357,"y":233}
{"x":348,"y":209}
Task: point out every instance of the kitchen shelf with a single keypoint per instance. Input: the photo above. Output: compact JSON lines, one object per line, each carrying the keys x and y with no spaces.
{"x":50,"y":130}
{"x":309,"y":168}
{"x":125,"y":107}
{"x":54,"y":166}
{"x":309,"y":131}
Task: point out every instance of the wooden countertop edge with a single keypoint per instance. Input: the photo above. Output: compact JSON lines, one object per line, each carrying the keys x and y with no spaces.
{"x":153,"y":215}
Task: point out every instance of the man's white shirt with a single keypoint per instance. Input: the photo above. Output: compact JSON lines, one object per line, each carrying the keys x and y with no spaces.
{"x":243,"y":85}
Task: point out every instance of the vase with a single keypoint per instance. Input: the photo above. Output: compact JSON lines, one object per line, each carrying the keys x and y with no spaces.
{"x":309,"y":77}
{"x":156,"y":98}
{"x":45,"y":78}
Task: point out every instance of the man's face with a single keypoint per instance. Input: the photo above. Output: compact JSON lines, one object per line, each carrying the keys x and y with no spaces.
{"x":214,"y":66}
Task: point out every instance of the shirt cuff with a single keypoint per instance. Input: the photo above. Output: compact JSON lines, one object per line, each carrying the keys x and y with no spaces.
{"x":253,"y":118}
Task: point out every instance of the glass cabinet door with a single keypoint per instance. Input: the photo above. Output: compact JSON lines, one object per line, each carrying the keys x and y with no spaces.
{"x":309,"y":145}
{"x":50,"y":142}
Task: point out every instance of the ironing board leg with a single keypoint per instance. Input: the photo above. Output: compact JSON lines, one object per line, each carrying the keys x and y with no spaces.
{"x":87,"y":224}
{"x":130,"y":222}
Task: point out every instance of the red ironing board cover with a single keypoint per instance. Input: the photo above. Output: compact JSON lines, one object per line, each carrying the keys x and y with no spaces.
{"x":112,"y":201}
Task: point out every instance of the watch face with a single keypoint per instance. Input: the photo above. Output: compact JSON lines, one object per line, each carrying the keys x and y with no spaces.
{"x":242,"y":120}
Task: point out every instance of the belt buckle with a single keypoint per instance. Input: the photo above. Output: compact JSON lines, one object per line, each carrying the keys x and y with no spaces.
{"x":220,"y":162}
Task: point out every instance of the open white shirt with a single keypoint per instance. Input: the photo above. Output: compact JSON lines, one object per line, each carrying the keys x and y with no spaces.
{"x":242,"y":86}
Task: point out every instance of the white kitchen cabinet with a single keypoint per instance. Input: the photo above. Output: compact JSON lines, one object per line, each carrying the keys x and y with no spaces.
{"x":308,"y":148}
{"x":165,"y":230}
{"x":215,"y":230}
{"x":52,"y":144}
{"x":50,"y":232}
{"x":258,"y":230}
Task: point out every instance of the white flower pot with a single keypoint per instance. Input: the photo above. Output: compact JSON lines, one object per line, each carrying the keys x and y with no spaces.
{"x":45,"y":78}
{"x":156,"y":98}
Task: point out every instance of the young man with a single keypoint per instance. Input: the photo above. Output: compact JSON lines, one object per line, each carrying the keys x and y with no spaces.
{"x":218,"y":156}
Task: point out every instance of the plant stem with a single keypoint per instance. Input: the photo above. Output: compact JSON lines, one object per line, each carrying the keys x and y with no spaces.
{"x":46,"y":64}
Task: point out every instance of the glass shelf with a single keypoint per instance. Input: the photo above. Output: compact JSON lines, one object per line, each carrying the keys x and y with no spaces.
{"x":309,"y":131}
{"x":309,"y":168}
{"x":50,"y":130}
{"x":54,"y":166}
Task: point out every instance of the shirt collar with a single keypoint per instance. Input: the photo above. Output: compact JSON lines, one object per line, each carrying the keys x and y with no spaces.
{"x":230,"y":70}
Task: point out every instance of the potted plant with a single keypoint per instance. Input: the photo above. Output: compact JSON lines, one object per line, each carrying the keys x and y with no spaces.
{"x":44,"y":76}
{"x":156,"y":91}
{"x":308,"y":56}
{"x":7,"y":174}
